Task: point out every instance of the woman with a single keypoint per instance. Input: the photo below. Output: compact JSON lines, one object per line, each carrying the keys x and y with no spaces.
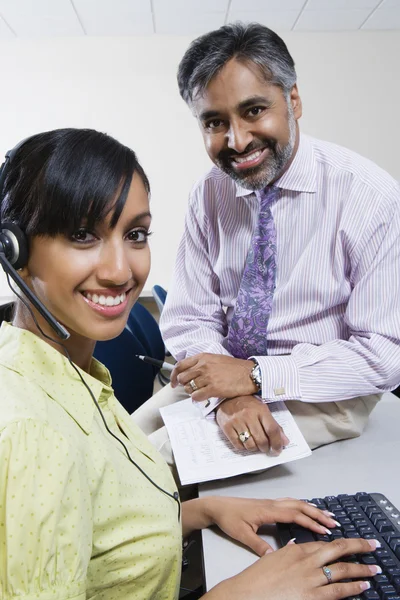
{"x":88,"y":509}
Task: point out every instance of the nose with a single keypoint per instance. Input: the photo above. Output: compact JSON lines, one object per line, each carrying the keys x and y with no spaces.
{"x":113,"y":266}
{"x":238,"y":137}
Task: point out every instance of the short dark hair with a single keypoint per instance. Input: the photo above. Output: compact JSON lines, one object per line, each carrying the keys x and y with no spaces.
{"x":208,"y":54}
{"x":59,"y":179}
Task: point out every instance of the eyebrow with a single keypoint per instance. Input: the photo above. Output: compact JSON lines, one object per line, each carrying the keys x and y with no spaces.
{"x":137,"y":219}
{"x":209,"y":114}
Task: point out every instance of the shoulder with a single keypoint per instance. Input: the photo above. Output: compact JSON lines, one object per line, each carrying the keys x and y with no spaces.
{"x":351,"y":171}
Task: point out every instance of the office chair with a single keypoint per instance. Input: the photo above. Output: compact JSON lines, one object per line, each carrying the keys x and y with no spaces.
{"x":159,"y":295}
{"x":132,"y":379}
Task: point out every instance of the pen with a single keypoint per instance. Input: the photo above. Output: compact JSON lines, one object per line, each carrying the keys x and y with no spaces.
{"x":157,"y":363}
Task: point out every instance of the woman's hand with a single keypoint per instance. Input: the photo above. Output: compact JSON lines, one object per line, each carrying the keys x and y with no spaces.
{"x":295,"y":573}
{"x":240,"y":518}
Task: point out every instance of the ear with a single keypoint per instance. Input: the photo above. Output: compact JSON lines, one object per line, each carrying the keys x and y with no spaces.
{"x":296,"y":102}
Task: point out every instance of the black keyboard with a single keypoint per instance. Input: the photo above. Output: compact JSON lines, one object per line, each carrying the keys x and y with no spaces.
{"x":367,"y":516}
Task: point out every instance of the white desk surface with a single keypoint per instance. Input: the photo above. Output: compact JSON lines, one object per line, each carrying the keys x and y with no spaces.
{"x":368,"y":464}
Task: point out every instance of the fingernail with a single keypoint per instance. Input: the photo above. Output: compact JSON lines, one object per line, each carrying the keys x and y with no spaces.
{"x":374,"y":544}
{"x":268,"y":551}
{"x":365,"y":585}
{"x":285,"y":439}
{"x":311,"y":504}
{"x":375,"y":569}
{"x":330,"y":514}
{"x":336,"y":523}
{"x":328,"y":531}
{"x":292,"y":541}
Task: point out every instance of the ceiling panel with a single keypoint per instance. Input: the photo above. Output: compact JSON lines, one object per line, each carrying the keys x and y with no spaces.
{"x":185,"y":23}
{"x":115,"y":17}
{"x":204,"y":6}
{"x":341,"y":4}
{"x":265,"y":5}
{"x":384,"y":19}
{"x":390,"y":4}
{"x":5,"y":31}
{"x":275,"y":19}
{"x":41,"y":18}
{"x":331,"y":20}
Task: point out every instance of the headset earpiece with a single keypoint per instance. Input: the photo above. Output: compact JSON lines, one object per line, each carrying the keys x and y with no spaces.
{"x":14,"y":244}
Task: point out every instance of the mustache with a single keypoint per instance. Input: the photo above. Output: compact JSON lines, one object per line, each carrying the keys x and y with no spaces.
{"x":227,"y":154}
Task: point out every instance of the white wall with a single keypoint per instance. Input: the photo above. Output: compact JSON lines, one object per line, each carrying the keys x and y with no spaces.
{"x":349,"y":83}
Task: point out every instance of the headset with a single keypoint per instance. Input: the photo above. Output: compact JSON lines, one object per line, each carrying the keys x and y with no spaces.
{"x":14,"y":253}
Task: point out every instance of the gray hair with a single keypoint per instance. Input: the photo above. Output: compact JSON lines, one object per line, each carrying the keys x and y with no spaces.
{"x":208,"y":54}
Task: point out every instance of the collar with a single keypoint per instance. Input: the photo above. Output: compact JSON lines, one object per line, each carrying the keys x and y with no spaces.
{"x":301,"y":176}
{"x":33,"y":358}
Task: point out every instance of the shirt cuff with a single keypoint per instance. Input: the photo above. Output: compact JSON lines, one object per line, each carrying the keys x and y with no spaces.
{"x":280,"y":378}
{"x":207,"y":406}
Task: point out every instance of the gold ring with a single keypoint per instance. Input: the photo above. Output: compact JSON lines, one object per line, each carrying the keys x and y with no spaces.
{"x":244,"y":436}
{"x":193,"y":385}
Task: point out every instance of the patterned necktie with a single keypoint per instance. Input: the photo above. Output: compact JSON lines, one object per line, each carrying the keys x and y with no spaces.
{"x":247,"y":335}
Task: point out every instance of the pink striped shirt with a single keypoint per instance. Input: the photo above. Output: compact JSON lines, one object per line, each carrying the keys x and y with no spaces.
{"x":334,"y":330}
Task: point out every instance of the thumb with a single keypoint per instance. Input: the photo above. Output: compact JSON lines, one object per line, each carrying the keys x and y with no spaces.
{"x":255,"y":542}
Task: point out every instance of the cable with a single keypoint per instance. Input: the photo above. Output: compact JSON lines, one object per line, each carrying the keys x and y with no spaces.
{"x":175,"y":495}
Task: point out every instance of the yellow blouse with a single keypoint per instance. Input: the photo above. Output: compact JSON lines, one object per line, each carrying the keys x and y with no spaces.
{"x":77,"y":519}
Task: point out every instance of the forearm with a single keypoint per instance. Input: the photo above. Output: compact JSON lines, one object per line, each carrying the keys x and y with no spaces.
{"x":196,"y":515}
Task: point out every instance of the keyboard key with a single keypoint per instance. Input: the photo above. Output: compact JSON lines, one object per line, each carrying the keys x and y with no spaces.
{"x":387,"y":562}
{"x":302,"y":535}
{"x":353,"y":535}
{"x":365,"y":530}
{"x":362,"y":497}
{"x":368,"y":559}
{"x":384,"y":526}
{"x":370,"y":595}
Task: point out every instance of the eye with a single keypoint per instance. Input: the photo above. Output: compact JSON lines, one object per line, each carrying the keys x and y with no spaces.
{"x":83,"y":236}
{"x":138,"y":236}
{"x":213,"y":124}
{"x":255,"y":111}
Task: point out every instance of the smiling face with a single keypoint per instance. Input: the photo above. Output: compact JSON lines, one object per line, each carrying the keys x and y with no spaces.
{"x":91,"y":280}
{"x":248,"y":126}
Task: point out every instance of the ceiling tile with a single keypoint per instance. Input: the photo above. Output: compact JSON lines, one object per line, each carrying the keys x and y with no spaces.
{"x":265,"y":5}
{"x":188,"y":6}
{"x":341,"y":4}
{"x":390,"y":4}
{"x":5,"y":31}
{"x":384,"y":19}
{"x":187,"y":24}
{"x":331,"y":20}
{"x":275,"y":19}
{"x":115,"y":17}
{"x":41,"y":18}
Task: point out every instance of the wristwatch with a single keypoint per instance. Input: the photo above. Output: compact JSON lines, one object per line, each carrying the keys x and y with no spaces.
{"x":255,"y":375}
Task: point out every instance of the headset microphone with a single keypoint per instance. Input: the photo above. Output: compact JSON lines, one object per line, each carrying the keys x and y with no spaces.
{"x":14,"y":254}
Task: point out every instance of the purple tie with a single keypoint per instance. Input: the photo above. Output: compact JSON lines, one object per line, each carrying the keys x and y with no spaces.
{"x":247,"y":335}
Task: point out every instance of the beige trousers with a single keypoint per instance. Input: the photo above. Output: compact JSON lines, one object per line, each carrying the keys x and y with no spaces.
{"x":321,"y":423}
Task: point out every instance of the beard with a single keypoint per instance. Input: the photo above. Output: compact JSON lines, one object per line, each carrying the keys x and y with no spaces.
{"x":257,"y":178}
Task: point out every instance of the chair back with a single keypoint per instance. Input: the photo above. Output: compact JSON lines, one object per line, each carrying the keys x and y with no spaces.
{"x":159,"y":295}
{"x":132,"y":379}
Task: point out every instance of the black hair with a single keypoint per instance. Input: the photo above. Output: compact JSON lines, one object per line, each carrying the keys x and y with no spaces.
{"x":253,"y":42}
{"x":59,"y":179}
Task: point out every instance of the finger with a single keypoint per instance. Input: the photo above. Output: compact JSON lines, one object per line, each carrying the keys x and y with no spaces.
{"x":316,"y":514}
{"x":331,"y":552}
{"x":307,"y":522}
{"x":337,"y":591}
{"x":343,"y":570}
{"x":249,"y":444}
{"x":232,"y":436}
{"x":260,"y":439}
{"x":273,"y":432}
{"x":254,"y":542}
{"x":185,"y":376}
{"x":181,"y":366}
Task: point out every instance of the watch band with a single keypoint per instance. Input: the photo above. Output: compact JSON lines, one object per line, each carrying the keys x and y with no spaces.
{"x":255,"y":375}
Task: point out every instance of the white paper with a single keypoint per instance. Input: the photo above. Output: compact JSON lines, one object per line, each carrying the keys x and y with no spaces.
{"x":202,"y":452}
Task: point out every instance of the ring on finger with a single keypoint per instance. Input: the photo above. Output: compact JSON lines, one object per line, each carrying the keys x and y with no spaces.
{"x":328,"y":573}
{"x":193,"y":385}
{"x":244,"y":436}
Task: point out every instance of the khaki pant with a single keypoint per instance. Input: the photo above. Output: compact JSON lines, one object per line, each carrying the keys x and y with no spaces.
{"x":321,"y":423}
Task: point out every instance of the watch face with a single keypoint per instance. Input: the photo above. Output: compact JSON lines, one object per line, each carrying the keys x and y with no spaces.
{"x":256,"y":376}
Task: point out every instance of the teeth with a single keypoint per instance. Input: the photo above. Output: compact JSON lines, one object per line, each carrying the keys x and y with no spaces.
{"x":106,"y":300}
{"x":249,"y":157}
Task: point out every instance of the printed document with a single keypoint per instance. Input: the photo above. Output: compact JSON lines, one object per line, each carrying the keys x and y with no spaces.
{"x":203,"y":453}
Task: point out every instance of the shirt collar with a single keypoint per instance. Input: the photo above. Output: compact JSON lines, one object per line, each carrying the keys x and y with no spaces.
{"x":301,"y":176}
{"x":33,"y":358}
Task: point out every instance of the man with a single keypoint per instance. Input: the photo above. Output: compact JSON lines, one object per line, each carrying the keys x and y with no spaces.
{"x":286,"y":285}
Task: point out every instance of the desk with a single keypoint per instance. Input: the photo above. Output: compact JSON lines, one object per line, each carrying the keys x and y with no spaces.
{"x":343,"y":467}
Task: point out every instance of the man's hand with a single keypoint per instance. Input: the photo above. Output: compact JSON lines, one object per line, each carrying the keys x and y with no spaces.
{"x":214,"y":376}
{"x":247,"y":413}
